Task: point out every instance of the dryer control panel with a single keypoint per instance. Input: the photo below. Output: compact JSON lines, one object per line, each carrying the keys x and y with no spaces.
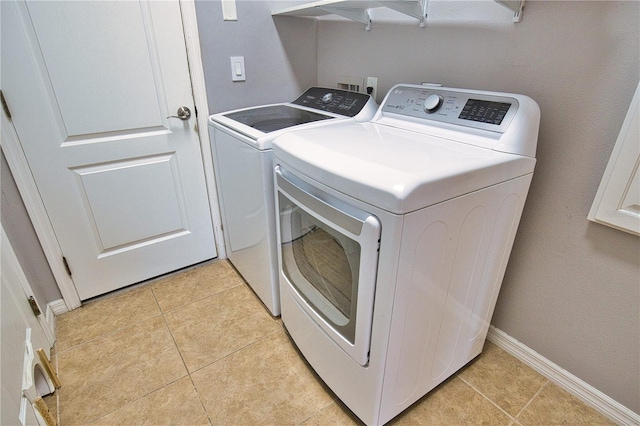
{"x":469,"y":109}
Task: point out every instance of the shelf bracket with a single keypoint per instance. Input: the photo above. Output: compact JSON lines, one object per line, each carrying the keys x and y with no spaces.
{"x":415,"y":9}
{"x":358,"y":15}
{"x":516,"y":6}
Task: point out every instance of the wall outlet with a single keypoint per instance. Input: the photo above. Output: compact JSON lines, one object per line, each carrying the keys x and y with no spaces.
{"x":372,"y":87}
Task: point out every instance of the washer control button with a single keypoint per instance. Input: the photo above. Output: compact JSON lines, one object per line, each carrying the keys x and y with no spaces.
{"x":432,"y":103}
{"x":327,"y":98}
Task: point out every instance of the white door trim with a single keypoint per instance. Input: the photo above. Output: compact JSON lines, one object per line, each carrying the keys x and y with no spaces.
{"x":33,"y":203}
{"x":13,"y":271}
{"x":192,"y":40}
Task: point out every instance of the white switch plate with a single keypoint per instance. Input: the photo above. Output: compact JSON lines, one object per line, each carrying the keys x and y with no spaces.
{"x":237,"y":68}
{"x":229,"y":12}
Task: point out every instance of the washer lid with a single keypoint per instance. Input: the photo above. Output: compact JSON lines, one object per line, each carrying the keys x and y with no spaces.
{"x":261,"y":124}
{"x":395,"y":169}
{"x":275,"y":117}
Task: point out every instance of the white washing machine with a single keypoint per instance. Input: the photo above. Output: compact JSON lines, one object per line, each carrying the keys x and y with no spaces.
{"x":394,"y":236}
{"x":241,"y":145}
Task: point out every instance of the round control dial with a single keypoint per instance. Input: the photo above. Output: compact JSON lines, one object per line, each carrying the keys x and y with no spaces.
{"x":433,"y":103}
{"x":327,"y":98}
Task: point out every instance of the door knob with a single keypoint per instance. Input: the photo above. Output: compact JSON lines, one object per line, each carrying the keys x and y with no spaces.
{"x":184,"y":113}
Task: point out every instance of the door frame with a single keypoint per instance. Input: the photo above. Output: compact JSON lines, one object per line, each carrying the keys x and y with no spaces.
{"x":12,"y":270}
{"x":35,"y":207}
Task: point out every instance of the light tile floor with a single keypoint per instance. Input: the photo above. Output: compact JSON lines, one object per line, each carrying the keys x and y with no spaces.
{"x":198,"y":348}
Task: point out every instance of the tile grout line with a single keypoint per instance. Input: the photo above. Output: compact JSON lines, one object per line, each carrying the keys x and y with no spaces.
{"x":512,"y":418}
{"x":200,"y":399}
{"x":235,"y":351}
{"x":313,"y":414}
{"x":173,"y":339}
{"x":532,"y":398}
{"x":195,"y":301}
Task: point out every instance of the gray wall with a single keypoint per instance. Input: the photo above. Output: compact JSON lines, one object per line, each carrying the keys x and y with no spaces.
{"x":571,"y":290}
{"x":24,"y":241}
{"x":280,"y":60}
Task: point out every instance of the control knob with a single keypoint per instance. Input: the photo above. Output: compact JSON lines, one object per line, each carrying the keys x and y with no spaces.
{"x":432,"y":103}
{"x":327,"y":98}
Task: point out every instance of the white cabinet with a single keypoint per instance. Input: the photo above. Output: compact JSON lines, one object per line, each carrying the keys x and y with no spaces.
{"x":617,"y":202}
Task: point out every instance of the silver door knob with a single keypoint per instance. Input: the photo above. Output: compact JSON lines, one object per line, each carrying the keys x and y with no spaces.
{"x":184,"y":113}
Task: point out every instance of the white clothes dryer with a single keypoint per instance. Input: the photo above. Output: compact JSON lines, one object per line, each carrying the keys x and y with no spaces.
{"x":241,"y":146}
{"x":394,"y":236}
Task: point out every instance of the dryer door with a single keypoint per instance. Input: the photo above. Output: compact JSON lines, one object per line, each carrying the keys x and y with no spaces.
{"x":329,"y":258}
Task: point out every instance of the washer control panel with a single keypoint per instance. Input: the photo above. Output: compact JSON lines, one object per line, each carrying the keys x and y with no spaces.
{"x":337,"y":101}
{"x":461,"y":108}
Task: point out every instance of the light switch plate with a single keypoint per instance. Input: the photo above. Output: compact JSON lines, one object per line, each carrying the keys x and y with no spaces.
{"x":237,"y":68}
{"x":229,"y":12}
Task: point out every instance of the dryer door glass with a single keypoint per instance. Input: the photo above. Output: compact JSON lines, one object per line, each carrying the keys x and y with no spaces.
{"x":329,"y":259}
{"x":325,"y":265}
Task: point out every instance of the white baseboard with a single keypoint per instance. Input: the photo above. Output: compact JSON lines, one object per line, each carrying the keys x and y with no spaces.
{"x":54,"y":308}
{"x":58,"y":307}
{"x":50,"y":319}
{"x":561,"y":377}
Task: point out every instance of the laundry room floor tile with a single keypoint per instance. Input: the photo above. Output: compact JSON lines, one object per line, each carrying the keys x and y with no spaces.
{"x":219,"y":325}
{"x":105,"y":315}
{"x":335,"y":414}
{"x":177,"y":403}
{"x":264,"y":383}
{"x":503,"y":379}
{"x":453,"y":403}
{"x":196,"y":284}
{"x":554,"y":406}
{"x":214,"y":355}
{"x":116,"y":369}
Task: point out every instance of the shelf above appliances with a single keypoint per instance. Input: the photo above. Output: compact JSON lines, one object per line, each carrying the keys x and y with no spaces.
{"x":358,"y":10}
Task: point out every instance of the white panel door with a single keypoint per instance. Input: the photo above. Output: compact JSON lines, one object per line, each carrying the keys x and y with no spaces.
{"x":90,"y":86}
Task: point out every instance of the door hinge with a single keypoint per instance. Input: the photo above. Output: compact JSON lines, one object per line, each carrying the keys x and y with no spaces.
{"x":34,"y":306}
{"x":66,"y":265}
{"x":5,"y":107}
